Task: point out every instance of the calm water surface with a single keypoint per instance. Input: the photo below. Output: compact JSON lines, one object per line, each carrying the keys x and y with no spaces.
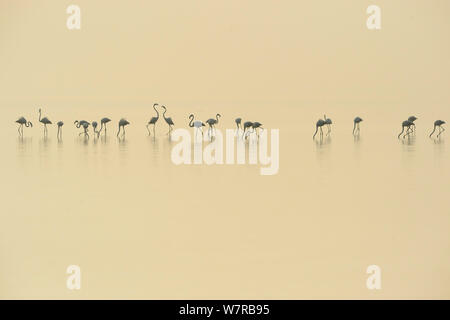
{"x":141,"y":227}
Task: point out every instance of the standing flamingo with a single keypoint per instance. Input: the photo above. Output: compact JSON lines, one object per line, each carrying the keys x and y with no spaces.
{"x":212,"y":123}
{"x":405,"y":124}
{"x":44,"y":121}
{"x":356,"y":122}
{"x":103,"y":122}
{"x":168,"y":120}
{"x":438,"y":124}
{"x":197,"y":124}
{"x":328,"y":122}
{"x":23,"y":122}
{"x":153,"y":120}
{"x":59,"y":133}
{"x":319,"y":124}
{"x":122,"y":124}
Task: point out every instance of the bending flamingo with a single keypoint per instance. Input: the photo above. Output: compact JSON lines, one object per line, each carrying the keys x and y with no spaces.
{"x":122,"y":123}
{"x":356,"y":122}
{"x":103,"y":122}
{"x":319,"y":124}
{"x":23,"y":122}
{"x":438,"y":124}
{"x":405,"y":124}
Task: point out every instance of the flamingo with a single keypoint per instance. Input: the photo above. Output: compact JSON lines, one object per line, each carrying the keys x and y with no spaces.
{"x":44,"y":121}
{"x":84,"y":124}
{"x":238,"y":124}
{"x":153,"y":120}
{"x":103,"y":122}
{"x":59,"y":133}
{"x":94,"y":126}
{"x":412,"y":119}
{"x":356,"y":122}
{"x":23,"y":122}
{"x":438,"y":124}
{"x":247,"y":124}
{"x":405,"y":124}
{"x":197,"y":124}
{"x":319,"y":124}
{"x":212,"y":122}
{"x":122,"y":124}
{"x":328,"y":122}
{"x":255,"y":126}
{"x":168,"y":120}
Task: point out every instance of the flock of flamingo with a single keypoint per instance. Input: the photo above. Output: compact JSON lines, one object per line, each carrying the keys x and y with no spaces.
{"x":408,"y":124}
{"x":198,"y":125}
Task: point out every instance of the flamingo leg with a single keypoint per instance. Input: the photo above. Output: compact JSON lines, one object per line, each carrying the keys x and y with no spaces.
{"x":403,"y":128}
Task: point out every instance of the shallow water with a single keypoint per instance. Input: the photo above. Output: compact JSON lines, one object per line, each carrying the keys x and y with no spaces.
{"x":141,"y":227}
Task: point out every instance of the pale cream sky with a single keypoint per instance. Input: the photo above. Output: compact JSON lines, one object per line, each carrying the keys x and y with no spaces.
{"x":210,"y":51}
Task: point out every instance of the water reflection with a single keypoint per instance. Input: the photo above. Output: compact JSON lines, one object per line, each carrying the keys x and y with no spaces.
{"x":323,"y":141}
{"x":84,"y":140}
{"x":23,"y":145}
{"x":104,"y":139}
{"x":439,"y":144}
{"x":409,"y":141}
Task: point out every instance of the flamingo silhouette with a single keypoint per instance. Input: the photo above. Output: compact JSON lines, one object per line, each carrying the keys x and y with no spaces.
{"x":197,"y":124}
{"x":247,"y":125}
{"x":122,"y":124}
{"x":94,"y":126}
{"x":103,"y":122}
{"x":412,"y":119}
{"x":255,"y":126}
{"x":23,"y":122}
{"x":238,"y":124}
{"x":212,"y":123}
{"x":319,"y":124}
{"x":59,"y":133}
{"x":356,"y":122}
{"x":168,"y":120}
{"x":438,"y":124}
{"x":153,"y":120}
{"x":44,"y":121}
{"x":84,"y":124}
{"x":328,"y":122}
{"x":405,"y":124}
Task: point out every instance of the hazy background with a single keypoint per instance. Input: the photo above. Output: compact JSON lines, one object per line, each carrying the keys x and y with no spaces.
{"x":141,"y":227}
